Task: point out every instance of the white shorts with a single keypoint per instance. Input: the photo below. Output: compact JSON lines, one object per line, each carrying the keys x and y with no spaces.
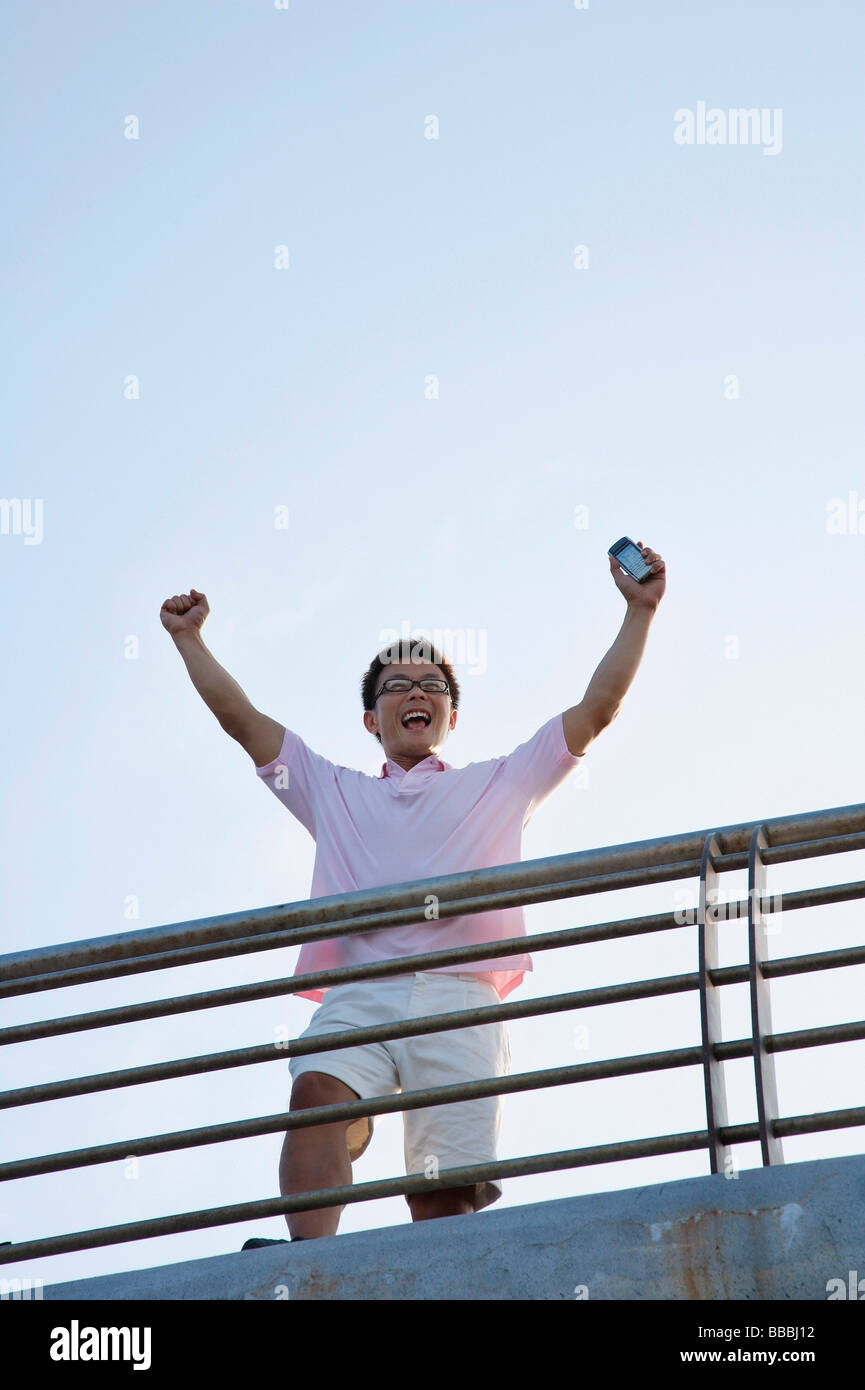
{"x":456,"y":1135}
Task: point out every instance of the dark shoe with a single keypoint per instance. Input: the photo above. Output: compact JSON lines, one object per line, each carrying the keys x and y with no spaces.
{"x":257,"y":1241}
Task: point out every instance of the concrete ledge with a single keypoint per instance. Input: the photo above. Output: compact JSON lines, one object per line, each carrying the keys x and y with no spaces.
{"x":776,"y":1233}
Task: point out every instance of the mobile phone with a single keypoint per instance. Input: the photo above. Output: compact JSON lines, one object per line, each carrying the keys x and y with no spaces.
{"x":629,"y":556}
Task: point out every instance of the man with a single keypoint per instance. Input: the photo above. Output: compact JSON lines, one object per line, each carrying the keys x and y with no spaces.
{"x":419,"y":819}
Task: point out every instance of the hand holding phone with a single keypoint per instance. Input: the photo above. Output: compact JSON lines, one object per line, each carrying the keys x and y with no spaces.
{"x":630,"y":557}
{"x":642,"y":576}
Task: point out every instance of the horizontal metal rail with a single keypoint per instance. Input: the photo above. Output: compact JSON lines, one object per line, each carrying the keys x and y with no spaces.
{"x":415,"y":1027}
{"x":754,"y":846}
{"x":607,"y":1069}
{"x":395,"y":1187}
{"x":429,"y":960}
{"x":285,"y":939}
{"x":563,"y":876}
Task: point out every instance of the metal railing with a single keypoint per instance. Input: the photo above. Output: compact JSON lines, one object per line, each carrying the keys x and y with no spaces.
{"x":701,"y":854}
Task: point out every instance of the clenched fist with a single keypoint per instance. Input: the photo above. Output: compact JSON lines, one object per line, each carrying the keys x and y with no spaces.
{"x":184,"y":612}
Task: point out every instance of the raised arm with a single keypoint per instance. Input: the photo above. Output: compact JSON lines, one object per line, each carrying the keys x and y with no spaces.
{"x":607,"y":689}
{"x":183,"y":617}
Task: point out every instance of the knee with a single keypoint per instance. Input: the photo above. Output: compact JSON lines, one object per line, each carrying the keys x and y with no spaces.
{"x":314,"y":1088}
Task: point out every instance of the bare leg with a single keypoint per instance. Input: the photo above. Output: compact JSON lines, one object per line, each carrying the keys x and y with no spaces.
{"x":315,"y":1157}
{"x":453,"y":1201}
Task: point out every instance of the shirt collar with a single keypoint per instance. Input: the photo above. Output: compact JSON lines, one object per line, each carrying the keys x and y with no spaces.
{"x":430,"y":764}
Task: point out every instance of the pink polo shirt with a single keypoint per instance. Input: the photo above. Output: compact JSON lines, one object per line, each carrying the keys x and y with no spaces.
{"x":401,"y":826}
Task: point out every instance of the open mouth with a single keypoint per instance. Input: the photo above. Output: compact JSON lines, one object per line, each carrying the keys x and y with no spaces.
{"x":421,"y":720}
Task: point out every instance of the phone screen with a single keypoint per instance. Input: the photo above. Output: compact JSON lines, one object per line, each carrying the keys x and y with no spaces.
{"x":630,"y":558}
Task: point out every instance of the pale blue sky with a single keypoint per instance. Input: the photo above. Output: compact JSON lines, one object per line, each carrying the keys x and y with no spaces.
{"x":304,"y":388}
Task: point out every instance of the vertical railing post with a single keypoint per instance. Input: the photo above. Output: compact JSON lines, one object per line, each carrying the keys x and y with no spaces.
{"x":710,"y":1007}
{"x":761,"y":1012}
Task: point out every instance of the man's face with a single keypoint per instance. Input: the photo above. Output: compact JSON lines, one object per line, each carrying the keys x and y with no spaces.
{"x":404,"y":739}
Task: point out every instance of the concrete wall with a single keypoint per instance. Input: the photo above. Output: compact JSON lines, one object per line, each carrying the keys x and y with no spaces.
{"x":776,"y":1233}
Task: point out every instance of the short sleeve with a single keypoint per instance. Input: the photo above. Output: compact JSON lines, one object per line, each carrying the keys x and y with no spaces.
{"x":541,"y":764}
{"x":298,"y":777}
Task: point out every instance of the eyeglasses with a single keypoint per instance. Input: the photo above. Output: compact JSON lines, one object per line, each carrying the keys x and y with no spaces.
{"x":400,"y":684}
